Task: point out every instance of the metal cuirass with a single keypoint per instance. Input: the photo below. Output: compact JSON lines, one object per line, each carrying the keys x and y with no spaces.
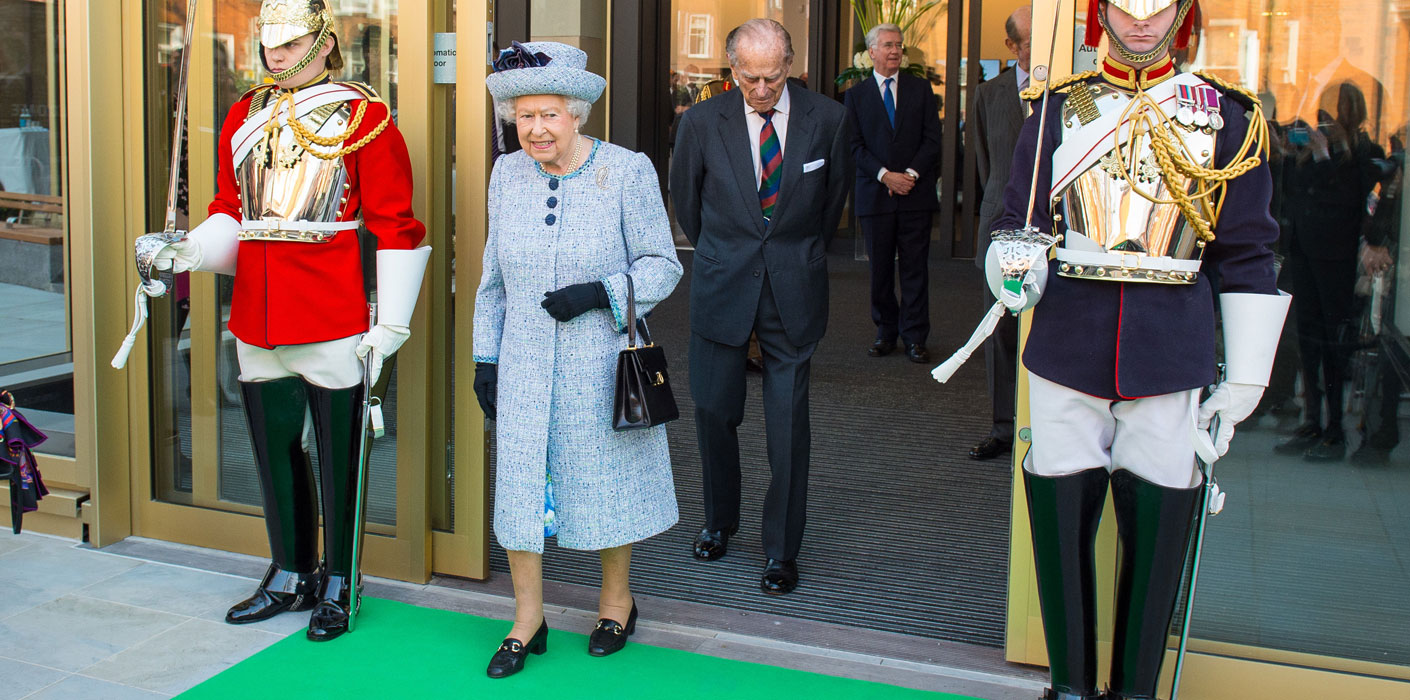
{"x":1115,"y":232}
{"x":286,"y":191}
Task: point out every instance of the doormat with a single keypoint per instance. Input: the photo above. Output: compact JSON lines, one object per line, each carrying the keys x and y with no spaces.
{"x":405,"y":651}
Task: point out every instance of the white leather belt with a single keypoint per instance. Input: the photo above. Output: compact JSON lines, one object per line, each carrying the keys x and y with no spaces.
{"x":1126,"y":267}
{"x":1128,"y":261}
{"x":296,"y":231}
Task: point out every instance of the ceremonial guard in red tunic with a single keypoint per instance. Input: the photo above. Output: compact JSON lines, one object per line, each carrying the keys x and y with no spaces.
{"x":304,"y":162}
{"x":1157,"y":183}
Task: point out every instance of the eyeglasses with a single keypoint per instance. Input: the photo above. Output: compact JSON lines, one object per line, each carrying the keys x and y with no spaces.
{"x":892,"y":45}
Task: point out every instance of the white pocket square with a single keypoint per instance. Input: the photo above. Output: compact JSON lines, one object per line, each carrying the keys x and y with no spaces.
{"x":810,"y":167}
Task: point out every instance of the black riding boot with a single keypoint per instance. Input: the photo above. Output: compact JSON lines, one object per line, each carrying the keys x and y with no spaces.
{"x":275,"y":413}
{"x":1153,"y":526}
{"x":337,"y":422}
{"x":1064,"y":512}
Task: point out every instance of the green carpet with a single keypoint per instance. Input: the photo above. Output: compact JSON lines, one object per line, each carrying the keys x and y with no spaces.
{"x":404,"y":651}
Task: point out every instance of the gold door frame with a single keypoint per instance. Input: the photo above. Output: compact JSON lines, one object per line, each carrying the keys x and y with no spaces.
{"x":1213,"y":670}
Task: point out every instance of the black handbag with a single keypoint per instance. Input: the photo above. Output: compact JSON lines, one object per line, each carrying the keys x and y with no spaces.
{"x":643,"y":398}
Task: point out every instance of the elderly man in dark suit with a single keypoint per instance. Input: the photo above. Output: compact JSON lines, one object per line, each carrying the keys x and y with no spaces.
{"x":758,"y":180}
{"x":998,"y":116}
{"x":894,"y":131}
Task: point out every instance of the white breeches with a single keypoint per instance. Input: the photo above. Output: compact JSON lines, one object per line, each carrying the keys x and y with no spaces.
{"x":1073,"y":431}
{"x":331,"y":364}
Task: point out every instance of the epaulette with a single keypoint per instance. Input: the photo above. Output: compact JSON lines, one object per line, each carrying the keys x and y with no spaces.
{"x":1237,"y":93}
{"x":367,"y":92}
{"x":1036,"y":91}
{"x":257,"y":96}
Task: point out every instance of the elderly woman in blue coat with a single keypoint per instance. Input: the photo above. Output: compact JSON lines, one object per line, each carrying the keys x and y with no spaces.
{"x":570,"y":217}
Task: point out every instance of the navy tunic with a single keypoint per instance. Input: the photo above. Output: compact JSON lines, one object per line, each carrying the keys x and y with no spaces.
{"x":1125,"y":340}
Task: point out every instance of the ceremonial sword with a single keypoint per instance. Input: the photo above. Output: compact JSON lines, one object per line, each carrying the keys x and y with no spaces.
{"x":372,"y":427}
{"x":147,"y":246}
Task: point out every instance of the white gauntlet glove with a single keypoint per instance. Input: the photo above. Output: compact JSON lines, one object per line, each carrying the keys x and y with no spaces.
{"x":1252,"y":325}
{"x":399,"y":275}
{"x":210,"y":247}
{"x":1022,"y":297}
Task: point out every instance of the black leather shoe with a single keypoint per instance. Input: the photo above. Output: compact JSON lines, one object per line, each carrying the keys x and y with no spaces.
{"x":278,"y":592}
{"x":780,"y":577}
{"x":989,"y":448}
{"x":712,"y":544}
{"x":509,"y":659}
{"x":330,"y":617}
{"x":610,"y":636}
{"x":915,"y":352}
{"x":1050,"y":694}
{"x":881,"y":348}
{"x":1307,"y":435}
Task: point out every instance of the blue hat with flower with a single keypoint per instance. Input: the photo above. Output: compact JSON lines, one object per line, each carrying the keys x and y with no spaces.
{"x":543,"y":68}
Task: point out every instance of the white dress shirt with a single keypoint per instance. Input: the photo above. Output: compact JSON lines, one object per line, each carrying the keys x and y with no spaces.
{"x":756,"y":126}
{"x":895,"y":99}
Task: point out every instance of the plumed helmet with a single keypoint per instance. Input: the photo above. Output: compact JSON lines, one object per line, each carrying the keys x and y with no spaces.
{"x":283,"y":21}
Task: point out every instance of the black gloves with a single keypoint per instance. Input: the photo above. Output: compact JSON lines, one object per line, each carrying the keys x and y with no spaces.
{"x":487,"y":386}
{"x":572,"y":301}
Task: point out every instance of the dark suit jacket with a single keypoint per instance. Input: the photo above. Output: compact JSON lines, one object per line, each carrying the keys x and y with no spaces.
{"x":998,"y":117}
{"x":914,"y":143}
{"x":716,"y":198}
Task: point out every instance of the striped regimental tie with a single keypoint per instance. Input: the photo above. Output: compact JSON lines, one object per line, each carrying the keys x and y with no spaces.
{"x":770,"y":160}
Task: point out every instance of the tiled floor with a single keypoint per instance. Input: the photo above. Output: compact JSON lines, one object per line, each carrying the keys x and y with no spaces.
{"x":143,"y":619}
{"x":76,"y":623}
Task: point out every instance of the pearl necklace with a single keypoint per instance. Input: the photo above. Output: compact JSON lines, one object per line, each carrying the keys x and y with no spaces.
{"x":577,"y":151}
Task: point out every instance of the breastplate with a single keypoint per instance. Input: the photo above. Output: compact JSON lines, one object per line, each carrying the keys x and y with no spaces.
{"x":286,"y":191}
{"x":1114,"y":230}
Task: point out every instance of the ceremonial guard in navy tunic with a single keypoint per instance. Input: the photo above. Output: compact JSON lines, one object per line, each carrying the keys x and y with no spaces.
{"x":1156,"y":183}
{"x":304,"y":162}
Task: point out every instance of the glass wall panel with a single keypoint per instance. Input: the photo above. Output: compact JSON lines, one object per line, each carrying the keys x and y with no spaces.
{"x":1312,"y":551}
{"x":35,"y":359}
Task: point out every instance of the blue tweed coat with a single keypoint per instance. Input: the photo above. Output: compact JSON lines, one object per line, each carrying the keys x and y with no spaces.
{"x":556,"y":380}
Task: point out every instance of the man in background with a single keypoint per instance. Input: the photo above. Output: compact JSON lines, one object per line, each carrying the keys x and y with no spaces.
{"x":894,"y":130}
{"x":998,"y":116}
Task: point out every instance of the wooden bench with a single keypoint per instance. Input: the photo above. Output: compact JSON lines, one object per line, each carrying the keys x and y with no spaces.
{"x":32,"y":244}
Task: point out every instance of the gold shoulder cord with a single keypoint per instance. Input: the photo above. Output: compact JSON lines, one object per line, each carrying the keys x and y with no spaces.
{"x":308,"y":139}
{"x":1202,"y":207}
{"x":1035,"y":91}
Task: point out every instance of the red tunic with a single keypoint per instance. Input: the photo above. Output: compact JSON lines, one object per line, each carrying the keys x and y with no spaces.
{"x":288,"y":293}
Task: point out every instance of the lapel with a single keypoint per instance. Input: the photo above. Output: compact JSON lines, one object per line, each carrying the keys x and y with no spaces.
{"x":795,"y":153}
{"x":904,"y":98}
{"x":872,"y":98}
{"x":734,"y":133}
{"x":1011,"y":105}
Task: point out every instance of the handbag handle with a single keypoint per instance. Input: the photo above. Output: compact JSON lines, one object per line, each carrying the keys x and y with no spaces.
{"x":635,"y":325}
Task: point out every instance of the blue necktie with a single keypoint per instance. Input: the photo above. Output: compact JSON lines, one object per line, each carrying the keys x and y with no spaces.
{"x":889,"y":101}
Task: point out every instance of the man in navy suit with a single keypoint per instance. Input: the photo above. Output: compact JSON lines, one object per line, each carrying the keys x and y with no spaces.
{"x":894,"y":127}
{"x":758,"y":179}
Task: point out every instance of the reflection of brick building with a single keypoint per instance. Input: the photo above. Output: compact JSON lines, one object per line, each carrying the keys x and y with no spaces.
{"x":1295,"y":49}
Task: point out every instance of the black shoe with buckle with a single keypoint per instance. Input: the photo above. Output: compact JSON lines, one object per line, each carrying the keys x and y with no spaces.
{"x":278,"y":592}
{"x":330,"y":617}
{"x":610,"y":636}
{"x":712,"y":544}
{"x":509,"y":659}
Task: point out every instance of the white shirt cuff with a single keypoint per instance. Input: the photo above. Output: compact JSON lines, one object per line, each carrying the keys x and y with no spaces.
{"x":880,"y":174}
{"x":914,"y":175}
